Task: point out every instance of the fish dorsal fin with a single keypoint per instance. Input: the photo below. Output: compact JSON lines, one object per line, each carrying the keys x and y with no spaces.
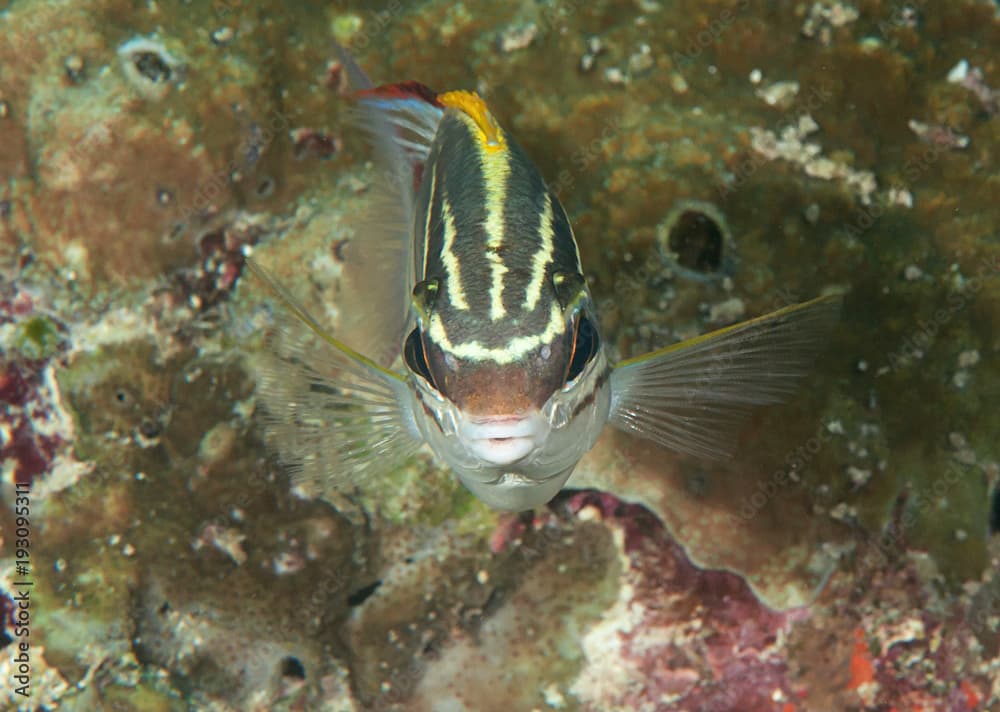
{"x":400,"y":121}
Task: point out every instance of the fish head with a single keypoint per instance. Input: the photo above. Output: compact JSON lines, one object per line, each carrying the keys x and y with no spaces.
{"x":512,"y":427}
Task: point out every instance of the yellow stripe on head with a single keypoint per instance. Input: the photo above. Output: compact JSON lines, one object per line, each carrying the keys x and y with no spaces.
{"x":474,"y":107}
{"x":511,"y":352}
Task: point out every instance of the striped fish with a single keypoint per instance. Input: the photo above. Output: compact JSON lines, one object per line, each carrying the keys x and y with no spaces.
{"x":477,"y":283}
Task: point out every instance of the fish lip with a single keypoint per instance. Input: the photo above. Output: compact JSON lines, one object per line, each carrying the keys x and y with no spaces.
{"x":500,"y":427}
{"x":503,"y":440}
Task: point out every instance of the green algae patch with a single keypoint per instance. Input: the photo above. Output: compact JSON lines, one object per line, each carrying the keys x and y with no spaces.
{"x":423,"y":494}
{"x":82,"y":593}
{"x":141,"y":698}
{"x":37,"y":338}
{"x":945,"y":513}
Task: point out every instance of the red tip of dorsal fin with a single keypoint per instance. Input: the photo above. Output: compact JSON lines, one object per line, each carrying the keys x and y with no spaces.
{"x":402,"y":90}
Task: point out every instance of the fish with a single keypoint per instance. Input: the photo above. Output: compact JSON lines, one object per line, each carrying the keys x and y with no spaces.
{"x":492,"y":355}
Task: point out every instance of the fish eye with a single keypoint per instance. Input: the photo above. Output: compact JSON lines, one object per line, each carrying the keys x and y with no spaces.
{"x":586,"y":342}
{"x":415,"y":356}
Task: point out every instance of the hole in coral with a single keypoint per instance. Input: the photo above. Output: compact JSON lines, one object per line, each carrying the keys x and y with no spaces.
{"x":149,"y":429}
{"x":291,"y":667}
{"x":121,"y":395}
{"x":265,"y":188}
{"x":164,"y":609}
{"x":697,"y":241}
{"x":363,"y":594}
{"x":152,"y":66}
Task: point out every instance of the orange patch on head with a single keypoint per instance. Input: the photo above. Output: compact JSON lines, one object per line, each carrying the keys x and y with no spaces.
{"x":473,"y":106}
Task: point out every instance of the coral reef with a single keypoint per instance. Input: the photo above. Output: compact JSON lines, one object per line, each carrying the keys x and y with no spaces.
{"x":718,"y":159}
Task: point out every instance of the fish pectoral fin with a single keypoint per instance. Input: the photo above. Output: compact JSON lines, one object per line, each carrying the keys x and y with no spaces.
{"x":330,"y":414}
{"x":694,"y":396}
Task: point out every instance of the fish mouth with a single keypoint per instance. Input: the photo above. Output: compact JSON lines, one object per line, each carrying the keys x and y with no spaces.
{"x":503,"y":440}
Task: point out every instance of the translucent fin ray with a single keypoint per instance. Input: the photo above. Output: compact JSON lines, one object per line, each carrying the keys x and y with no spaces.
{"x":400,"y":121}
{"x":355,"y":74}
{"x":693,"y":397}
{"x":332,"y":416}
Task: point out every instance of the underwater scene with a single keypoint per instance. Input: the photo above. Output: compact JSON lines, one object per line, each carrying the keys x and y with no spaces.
{"x":624,"y":355}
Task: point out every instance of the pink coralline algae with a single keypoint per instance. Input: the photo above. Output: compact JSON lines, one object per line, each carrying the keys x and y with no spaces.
{"x":31,"y":451}
{"x":222,"y":260}
{"x":695,"y":639}
{"x":682,"y":638}
{"x":36,"y":430}
{"x":27,"y":388}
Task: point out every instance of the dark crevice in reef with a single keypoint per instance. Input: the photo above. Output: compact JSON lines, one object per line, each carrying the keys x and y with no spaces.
{"x":359,"y":596}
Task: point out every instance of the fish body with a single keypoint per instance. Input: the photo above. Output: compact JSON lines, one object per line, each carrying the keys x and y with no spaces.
{"x":503,"y":372}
